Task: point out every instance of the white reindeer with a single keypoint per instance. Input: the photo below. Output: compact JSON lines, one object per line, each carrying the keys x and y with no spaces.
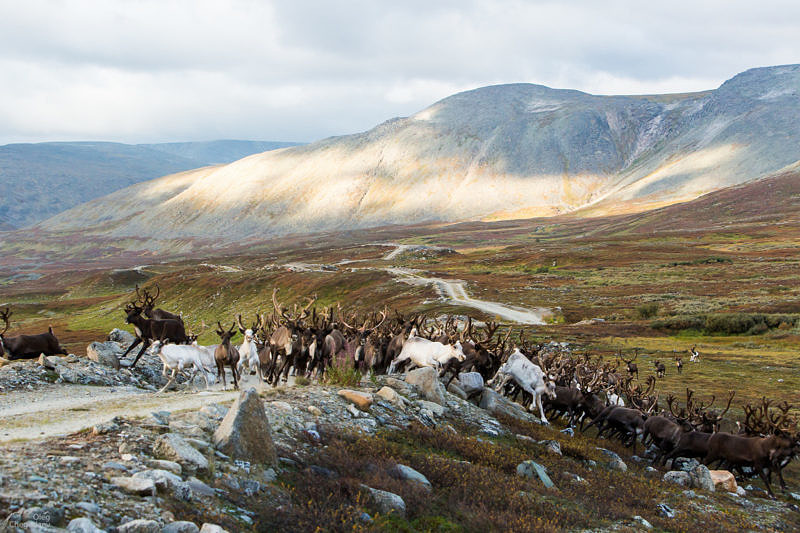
{"x":423,"y":352}
{"x":528,"y":376}
{"x":248,"y":350}
{"x":179,"y":358}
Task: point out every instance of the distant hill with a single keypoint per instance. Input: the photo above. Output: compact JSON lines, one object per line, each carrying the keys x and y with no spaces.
{"x":494,"y":153}
{"x":38,"y":181}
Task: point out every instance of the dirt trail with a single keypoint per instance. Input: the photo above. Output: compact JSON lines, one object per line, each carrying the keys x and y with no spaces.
{"x":64,"y":409}
{"x":455,"y":291}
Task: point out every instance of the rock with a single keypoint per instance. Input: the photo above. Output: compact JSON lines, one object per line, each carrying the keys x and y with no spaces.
{"x":270,"y":475}
{"x":741,"y":492}
{"x":282,"y":406}
{"x":244,"y":433}
{"x":198,"y":487}
{"x":614,"y":461}
{"x":161,"y":464}
{"x":426,"y":380}
{"x":83,"y":525}
{"x":497,"y":405}
{"x":46,"y":362}
{"x":198,"y":444}
{"x":665,"y":510}
{"x":454,"y":389}
{"x":212,"y":528}
{"x":113,"y":465}
{"x":387,"y":502}
{"x":214,"y":410}
{"x":643,"y":522}
{"x":568,"y":431}
{"x":701,"y":478}
{"x":133,"y":485}
{"x":105,"y":353}
{"x":434,"y":408}
{"x":409,"y":474}
{"x":314,"y":410}
{"x":107,"y":427}
{"x":362,"y":400}
{"x":160,"y":478}
{"x":553,"y":446}
{"x":678,"y":477}
{"x":532,"y":468}
{"x":121,"y":336}
{"x":203,"y":421}
{"x":180,"y":527}
{"x":724,"y":480}
{"x":161,"y":417}
{"x":48,"y":515}
{"x":471,"y":383}
{"x":391,"y":396}
{"x":31,"y":526}
{"x":398,"y":385}
{"x":89,"y":507}
{"x":684,"y":464}
{"x":173,"y":447}
{"x":140,"y":526}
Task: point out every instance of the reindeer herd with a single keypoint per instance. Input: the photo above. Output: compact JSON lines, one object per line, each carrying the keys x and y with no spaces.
{"x":589,"y":391}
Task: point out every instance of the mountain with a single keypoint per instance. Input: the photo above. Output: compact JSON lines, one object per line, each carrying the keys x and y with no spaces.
{"x":500,"y":152}
{"x":40,"y":180}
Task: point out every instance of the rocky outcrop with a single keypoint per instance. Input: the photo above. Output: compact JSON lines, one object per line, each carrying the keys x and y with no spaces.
{"x":387,"y":502}
{"x":245,"y":433}
{"x":426,"y":380}
{"x":106,"y":353}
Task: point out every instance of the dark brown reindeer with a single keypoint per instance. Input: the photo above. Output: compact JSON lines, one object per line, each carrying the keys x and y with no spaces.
{"x":366,"y":351}
{"x":678,"y":362}
{"x":661,"y":370}
{"x":227,"y":354}
{"x":286,"y":342}
{"x":149,"y":330}
{"x":148,"y":302}
{"x":27,"y":346}
{"x":633,"y":368}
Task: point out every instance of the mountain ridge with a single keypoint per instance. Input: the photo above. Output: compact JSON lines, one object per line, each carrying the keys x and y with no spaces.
{"x":492,"y":153}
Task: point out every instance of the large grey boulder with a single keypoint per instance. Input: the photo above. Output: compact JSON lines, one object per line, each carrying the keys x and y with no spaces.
{"x":614,"y":462}
{"x":105,"y":353}
{"x":684,"y":464}
{"x":244,"y":433}
{"x":678,"y":477}
{"x":471,"y":383}
{"x":701,"y":478}
{"x":180,"y":527}
{"x":426,"y":380}
{"x":173,"y":447}
{"x":121,"y":336}
{"x":409,"y":474}
{"x":140,"y":526}
{"x":497,"y":405}
{"x":83,"y":525}
{"x":387,"y":502}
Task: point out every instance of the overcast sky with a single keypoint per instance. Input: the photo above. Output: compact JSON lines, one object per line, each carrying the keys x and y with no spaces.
{"x":294,"y":70}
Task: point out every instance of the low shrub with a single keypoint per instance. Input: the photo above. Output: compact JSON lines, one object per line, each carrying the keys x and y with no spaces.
{"x":727,"y":323}
{"x":342,"y":373}
{"x":648,"y":310}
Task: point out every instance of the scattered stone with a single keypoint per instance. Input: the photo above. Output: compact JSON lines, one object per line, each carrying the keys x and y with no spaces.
{"x":532,"y":468}
{"x":162,"y":464}
{"x":212,"y":528}
{"x":180,"y":527}
{"x":47,"y":515}
{"x":324,"y":472}
{"x":314,"y":410}
{"x":552,"y":446}
{"x":113,"y":465}
{"x":387,"y":502}
{"x":497,"y":405}
{"x":398,"y":385}
{"x":198,"y":487}
{"x":684,"y":464}
{"x":140,"y":526}
{"x":643,"y":522}
{"x":724,"y":480}
{"x":245,"y":433}
{"x":454,"y":389}
{"x":282,"y":406}
{"x":471,"y":383}
{"x":409,"y":474}
{"x":678,"y":477}
{"x":434,"y":408}
{"x":89,"y":507}
{"x":160,"y":478}
{"x":665,"y":510}
{"x":121,"y":336}
{"x":614,"y":461}
{"x":83,"y":525}
{"x":102,"y":429}
{"x":426,"y":380}
{"x":173,"y":447}
{"x":391,"y":396}
{"x":701,"y":478}
{"x":214,"y":410}
{"x":362,"y":400}
{"x":568,"y":431}
{"x":46,"y":362}
{"x":139,"y":486}
{"x":105,"y":353}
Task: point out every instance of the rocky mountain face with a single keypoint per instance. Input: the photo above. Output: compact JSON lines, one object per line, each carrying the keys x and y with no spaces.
{"x":40,"y":180}
{"x":508,"y":151}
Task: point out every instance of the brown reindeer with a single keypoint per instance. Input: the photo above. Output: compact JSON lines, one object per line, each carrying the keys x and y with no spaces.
{"x":149,"y":330}
{"x":633,"y":368}
{"x":27,"y":346}
{"x":226,"y":353}
{"x":661,"y":370}
{"x":148,"y":302}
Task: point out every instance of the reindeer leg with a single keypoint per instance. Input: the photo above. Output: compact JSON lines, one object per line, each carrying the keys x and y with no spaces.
{"x":170,"y":381}
{"x":145,"y":346}
{"x":133,"y":345}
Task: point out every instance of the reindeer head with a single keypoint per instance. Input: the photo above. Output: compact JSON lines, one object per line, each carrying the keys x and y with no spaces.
{"x":251,"y":332}
{"x":226,"y":335}
{"x":5,"y":315}
{"x":147,"y":300}
{"x":132,"y":312}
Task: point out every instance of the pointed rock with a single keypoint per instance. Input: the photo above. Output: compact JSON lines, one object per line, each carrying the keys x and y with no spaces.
{"x":244,"y":432}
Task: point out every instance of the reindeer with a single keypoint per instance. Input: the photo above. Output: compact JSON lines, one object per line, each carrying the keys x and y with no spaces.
{"x":248,"y":351}
{"x":227,"y":354}
{"x":367,"y":352}
{"x":633,"y":368}
{"x":27,"y":346}
{"x":661,"y":370}
{"x":695,"y":355}
{"x":678,"y":362}
{"x":149,"y":330}
{"x":286,"y":341}
{"x":148,"y":302}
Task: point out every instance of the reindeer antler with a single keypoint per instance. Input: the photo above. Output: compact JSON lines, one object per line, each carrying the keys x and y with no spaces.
{"x":6,"y":316}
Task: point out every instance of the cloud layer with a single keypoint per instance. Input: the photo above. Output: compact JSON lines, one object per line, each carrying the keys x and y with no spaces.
{"x":301,"y":70}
